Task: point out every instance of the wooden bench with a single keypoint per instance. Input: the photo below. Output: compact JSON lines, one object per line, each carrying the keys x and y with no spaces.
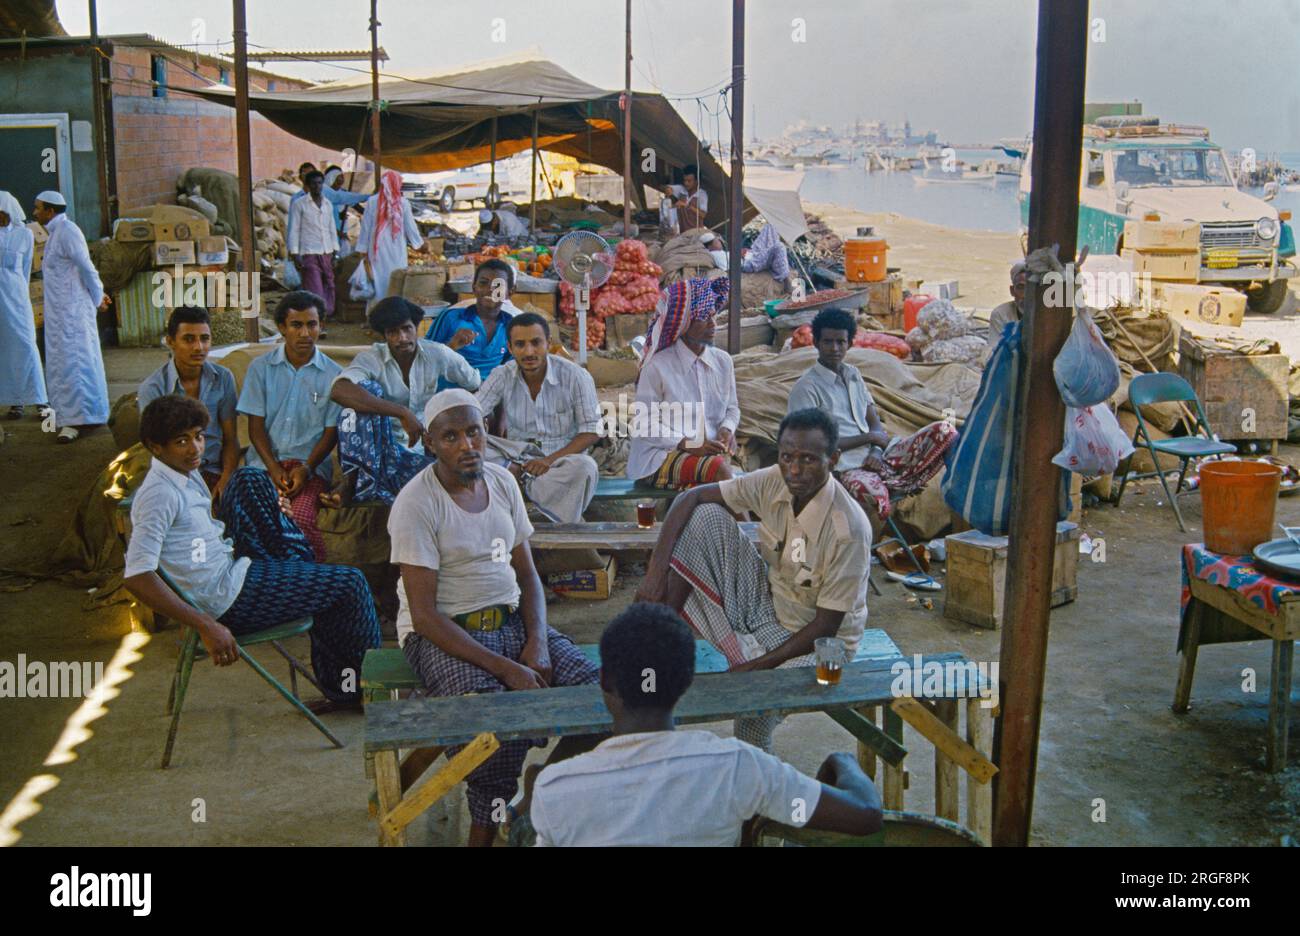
{"x":425,"y":727}
{"x":626,"y":489}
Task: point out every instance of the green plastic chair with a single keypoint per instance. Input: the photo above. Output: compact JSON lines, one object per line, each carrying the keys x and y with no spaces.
{"x":1147,"y":389}
{"x":192,"y":649}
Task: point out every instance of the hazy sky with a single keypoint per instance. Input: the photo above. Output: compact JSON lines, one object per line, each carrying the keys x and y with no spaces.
{"x":962,"y":67}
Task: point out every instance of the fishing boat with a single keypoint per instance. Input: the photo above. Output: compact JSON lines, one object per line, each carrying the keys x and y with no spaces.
{"x":959,"y":175}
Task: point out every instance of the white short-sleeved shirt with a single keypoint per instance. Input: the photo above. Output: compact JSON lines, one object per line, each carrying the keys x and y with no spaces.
{"x":566,"y":405}
{"x":844,"y":397}
{"x":817,"y":559}
{"x":470,"y":552}
{"x":686,"y":787}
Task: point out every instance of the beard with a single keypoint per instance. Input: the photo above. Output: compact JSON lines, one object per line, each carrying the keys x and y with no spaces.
{"x":469,"y":477}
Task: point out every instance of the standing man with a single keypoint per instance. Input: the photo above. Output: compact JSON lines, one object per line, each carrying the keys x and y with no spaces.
{"x":73,"y":295}
{"x":477,"y":327}
{"x":21,"y":380}
{"x":686,"y":204}
{"x":188,"y":372}
{"x":685,"y":376}
{"x":313,"y":239}
{"x":387,"y":228}
{"x":874,"y":466}
{"x":551,"y":418}
{"x":381,"y":438}
{"x":472,"y":616}
{"x":765,"y":607}
{"x":291,"y":419}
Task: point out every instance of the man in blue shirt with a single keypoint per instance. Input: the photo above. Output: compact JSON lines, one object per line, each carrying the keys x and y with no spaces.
{"x":477,"y":327}
{"x":292,"y":422}
{"x":263,"y":578}
{"x":188,"y":372}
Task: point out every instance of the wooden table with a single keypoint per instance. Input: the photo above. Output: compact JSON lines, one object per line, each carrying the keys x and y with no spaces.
{"x":1241,"y":620}
{"x":482,"y":722}
{"x":607,"y":535}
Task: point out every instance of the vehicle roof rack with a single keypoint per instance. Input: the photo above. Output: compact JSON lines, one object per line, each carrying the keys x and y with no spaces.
{"x":1114,"y":130}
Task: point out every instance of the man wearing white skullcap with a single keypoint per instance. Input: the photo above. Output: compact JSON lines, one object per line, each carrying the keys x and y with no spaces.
{"x":1008,"y":312}
{"x":74,"y":366}
{"x":504,"y":221}
{"x":21,"y":380}
{"x":472,"y":614}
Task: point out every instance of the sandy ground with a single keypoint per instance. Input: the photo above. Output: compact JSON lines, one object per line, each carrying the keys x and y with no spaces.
{"x":255,"y":772}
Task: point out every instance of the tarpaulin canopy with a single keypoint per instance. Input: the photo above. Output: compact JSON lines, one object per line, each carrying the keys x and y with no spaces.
{"x":775,"y":193}
{"x":444,"y":121}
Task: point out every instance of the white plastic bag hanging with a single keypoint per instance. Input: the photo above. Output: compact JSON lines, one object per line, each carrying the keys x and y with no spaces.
{"x":1094,"y":442}
{"x":360,"y":285}
{"x":290,"y":276}
{"x":1086,"y":370}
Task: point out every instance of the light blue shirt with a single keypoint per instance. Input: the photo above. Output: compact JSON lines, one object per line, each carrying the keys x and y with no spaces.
{"x":295,"y":402}
{"x":172,"y":529}
{"x":216,"y":392}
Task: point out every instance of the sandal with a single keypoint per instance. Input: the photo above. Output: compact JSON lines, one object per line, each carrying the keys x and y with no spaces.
{"x":15,"y":412}
{"x":68,"y":434}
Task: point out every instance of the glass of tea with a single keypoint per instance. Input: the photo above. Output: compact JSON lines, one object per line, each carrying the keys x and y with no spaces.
{"x":831,"y":656}
{"x":645,"y":514}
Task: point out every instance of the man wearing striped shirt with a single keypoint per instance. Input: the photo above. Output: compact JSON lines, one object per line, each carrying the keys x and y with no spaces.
{"x":550,"y":416}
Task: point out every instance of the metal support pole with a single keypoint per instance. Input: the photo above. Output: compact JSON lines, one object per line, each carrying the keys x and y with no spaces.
{"x":248,"y":260}
{"x":737,"y":168}
{"x":532,"y":206}
{"x":376,"y":149}
{"x":493,"y":180}
{"x":1053,"y":219}
{"x":627,"y":127}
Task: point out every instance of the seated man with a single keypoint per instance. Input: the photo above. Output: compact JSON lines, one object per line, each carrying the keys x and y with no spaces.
{"x":472,"y":615}
{"x":188,"y":372}
{"x":291,"y":419}
{"x":873,"y":465}
{"x":1011,"y":311}
{"x":551,"y":418}
{"x":381,"y":439}
{"x":651,"y":784}
{"x":688,"y":388}
{"x":765,"y":607}
{"x":685,"y":205}
{"x":476,"y":327}
{"x":265,"y":578}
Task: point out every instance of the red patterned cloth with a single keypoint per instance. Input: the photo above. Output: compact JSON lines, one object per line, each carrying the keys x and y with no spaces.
{"x":1235,"y":572}
{"x":304,"y":506}
{"x":910,"y":463}
{"x":682,"y":470}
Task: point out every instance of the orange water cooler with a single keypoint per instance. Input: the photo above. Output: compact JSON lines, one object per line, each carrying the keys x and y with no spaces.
{"x":864,"y":259}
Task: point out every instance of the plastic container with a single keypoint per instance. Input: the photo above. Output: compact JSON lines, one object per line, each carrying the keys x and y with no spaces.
{"x":769,"y":306}
{"x":912,"y":307}
{"x":864,"y":259}
{"x":1239,"y":502}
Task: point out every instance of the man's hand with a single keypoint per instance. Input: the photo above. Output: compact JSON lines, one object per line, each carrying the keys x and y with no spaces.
{"x":537,"y":466}
{"x":873,"y":462}
{"x":537,"y":657}
{"x":286,"y":506}
{"x":297,"y":477}
{"x":727,"y":440}
{"x":746,"y":667}
{"x":709,"y":447}
{"x":414,"y":430}
{"x":105,"y":302}
{"x":463,"y":337}
{"x":218,"y":641}
{"x":220,"y":487}
{"x":649,"y":592}
{"x":829,"y":772}
{"x":517,"y":676}
{"x":278,"y":476}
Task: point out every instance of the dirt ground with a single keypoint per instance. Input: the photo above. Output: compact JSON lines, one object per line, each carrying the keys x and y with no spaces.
{"x":248,"y":770}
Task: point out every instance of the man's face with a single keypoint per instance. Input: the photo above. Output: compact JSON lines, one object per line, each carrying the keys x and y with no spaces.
{"x":805,"y":463}
{"x":831,"y":347}
{"x":701,"y":331}
{"x":4,"y":219}
{"x":528,"y":346}
{"x":315,"y":186}
{"x":690,"y":183}
{"x":191,"y":344}
{"x":301,"y":329}
{"x":457,"y":438}
{"x":491,"y":288}
{"x":401,"y":340}
{"x":43,"y":213}
{"x":184,"y":453}
{"x":1018,"y":290}
{"x":303,"y":170}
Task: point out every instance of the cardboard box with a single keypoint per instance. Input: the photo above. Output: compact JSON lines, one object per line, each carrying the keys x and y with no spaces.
{"x":1215,"y":305}
{"x":1244,"y":395}
{"x":1185,"y":266}
{"x":977,"y":574}
{"x":542,"y":303}
{"x":39,"y":237}
{"x":423,"y":284}
{"x":588,"y":584}
{"x":940,"y":289}
{"x":188,"y":229}
{"x":133,"y":230}
{"x":168,"y":253}
{"x":212,"y":251}
{"x":1162,"y":235}
{"x":621,"y":329}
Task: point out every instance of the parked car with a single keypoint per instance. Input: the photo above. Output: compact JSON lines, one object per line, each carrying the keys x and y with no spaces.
{"x":1137,"y":168}
{"x":452,"y":187}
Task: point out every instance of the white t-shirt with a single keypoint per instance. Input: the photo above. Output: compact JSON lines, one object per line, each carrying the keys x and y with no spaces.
{"x":470,"y":552}
{"x":686,"y":787}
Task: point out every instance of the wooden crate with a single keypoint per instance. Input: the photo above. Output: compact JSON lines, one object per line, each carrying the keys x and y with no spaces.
{"x":543,"y":303}
{"x":977,"y":574}
{"x":1238,"y":391}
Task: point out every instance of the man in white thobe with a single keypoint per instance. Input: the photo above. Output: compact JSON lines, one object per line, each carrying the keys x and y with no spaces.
{"x":21,"y":380}
{"x":74,"y":366}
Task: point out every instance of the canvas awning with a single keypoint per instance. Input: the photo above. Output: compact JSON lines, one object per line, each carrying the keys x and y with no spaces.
{"x":775,"y":193}
{"x":444,"y":121}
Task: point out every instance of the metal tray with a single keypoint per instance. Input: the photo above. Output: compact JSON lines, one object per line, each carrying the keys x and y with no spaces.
{"x":1279,"y":558}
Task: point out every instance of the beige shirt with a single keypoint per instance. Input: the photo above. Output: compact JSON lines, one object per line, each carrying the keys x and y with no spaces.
{"x":998,"y":319}
{"x":469,"y":551}
{"x":818,"y":559}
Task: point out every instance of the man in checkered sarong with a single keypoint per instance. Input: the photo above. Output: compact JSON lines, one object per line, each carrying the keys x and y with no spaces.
{"x":472,"y":615}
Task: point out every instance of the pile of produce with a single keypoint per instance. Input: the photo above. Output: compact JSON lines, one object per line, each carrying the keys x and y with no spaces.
{"x":943,"y":334}
{"x":632,"y":288}
{"x":825,"y":297}
{"x":802,"y":337}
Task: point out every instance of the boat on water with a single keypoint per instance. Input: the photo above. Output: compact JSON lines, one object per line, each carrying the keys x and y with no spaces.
{"x":958,"y":175}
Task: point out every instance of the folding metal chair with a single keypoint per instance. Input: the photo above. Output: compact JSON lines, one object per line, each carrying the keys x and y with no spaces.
{"x":1147,"y":389}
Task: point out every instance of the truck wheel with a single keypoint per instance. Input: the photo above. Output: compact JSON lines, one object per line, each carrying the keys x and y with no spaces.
{"x":447,"y":200}
{"x":1267,"y":297}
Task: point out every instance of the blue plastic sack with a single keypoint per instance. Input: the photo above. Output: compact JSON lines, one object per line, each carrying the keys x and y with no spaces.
{"x":1086,"y":370}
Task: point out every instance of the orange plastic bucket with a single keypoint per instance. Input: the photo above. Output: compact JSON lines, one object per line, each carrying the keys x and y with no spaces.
{"x":864,"y":259}
{"x":1238,"y":501}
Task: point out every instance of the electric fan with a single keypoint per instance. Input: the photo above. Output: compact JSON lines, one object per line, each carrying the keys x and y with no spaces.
{"x":584,"y":261}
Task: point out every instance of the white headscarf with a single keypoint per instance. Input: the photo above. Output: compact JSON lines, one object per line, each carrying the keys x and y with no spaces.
{"x":9,"y":205}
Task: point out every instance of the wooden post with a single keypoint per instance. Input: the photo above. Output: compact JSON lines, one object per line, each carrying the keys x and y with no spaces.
{"x":737,"y":169}
{"x":102,"y":84}
{"x":947,"y":791}
{"x":493,"y":155}
{"x":1053,"y":218}
{"x":248,"y":260}
{"x":532,"y":207}
{"x":891,"y":794}
{"x":376,"y":147}
{"x":627,"y":127}
{"x":979,"y":796}
{"x":866,"y":756}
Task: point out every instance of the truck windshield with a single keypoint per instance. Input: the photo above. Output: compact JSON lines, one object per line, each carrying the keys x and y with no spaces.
{"x":1171,"y":166}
